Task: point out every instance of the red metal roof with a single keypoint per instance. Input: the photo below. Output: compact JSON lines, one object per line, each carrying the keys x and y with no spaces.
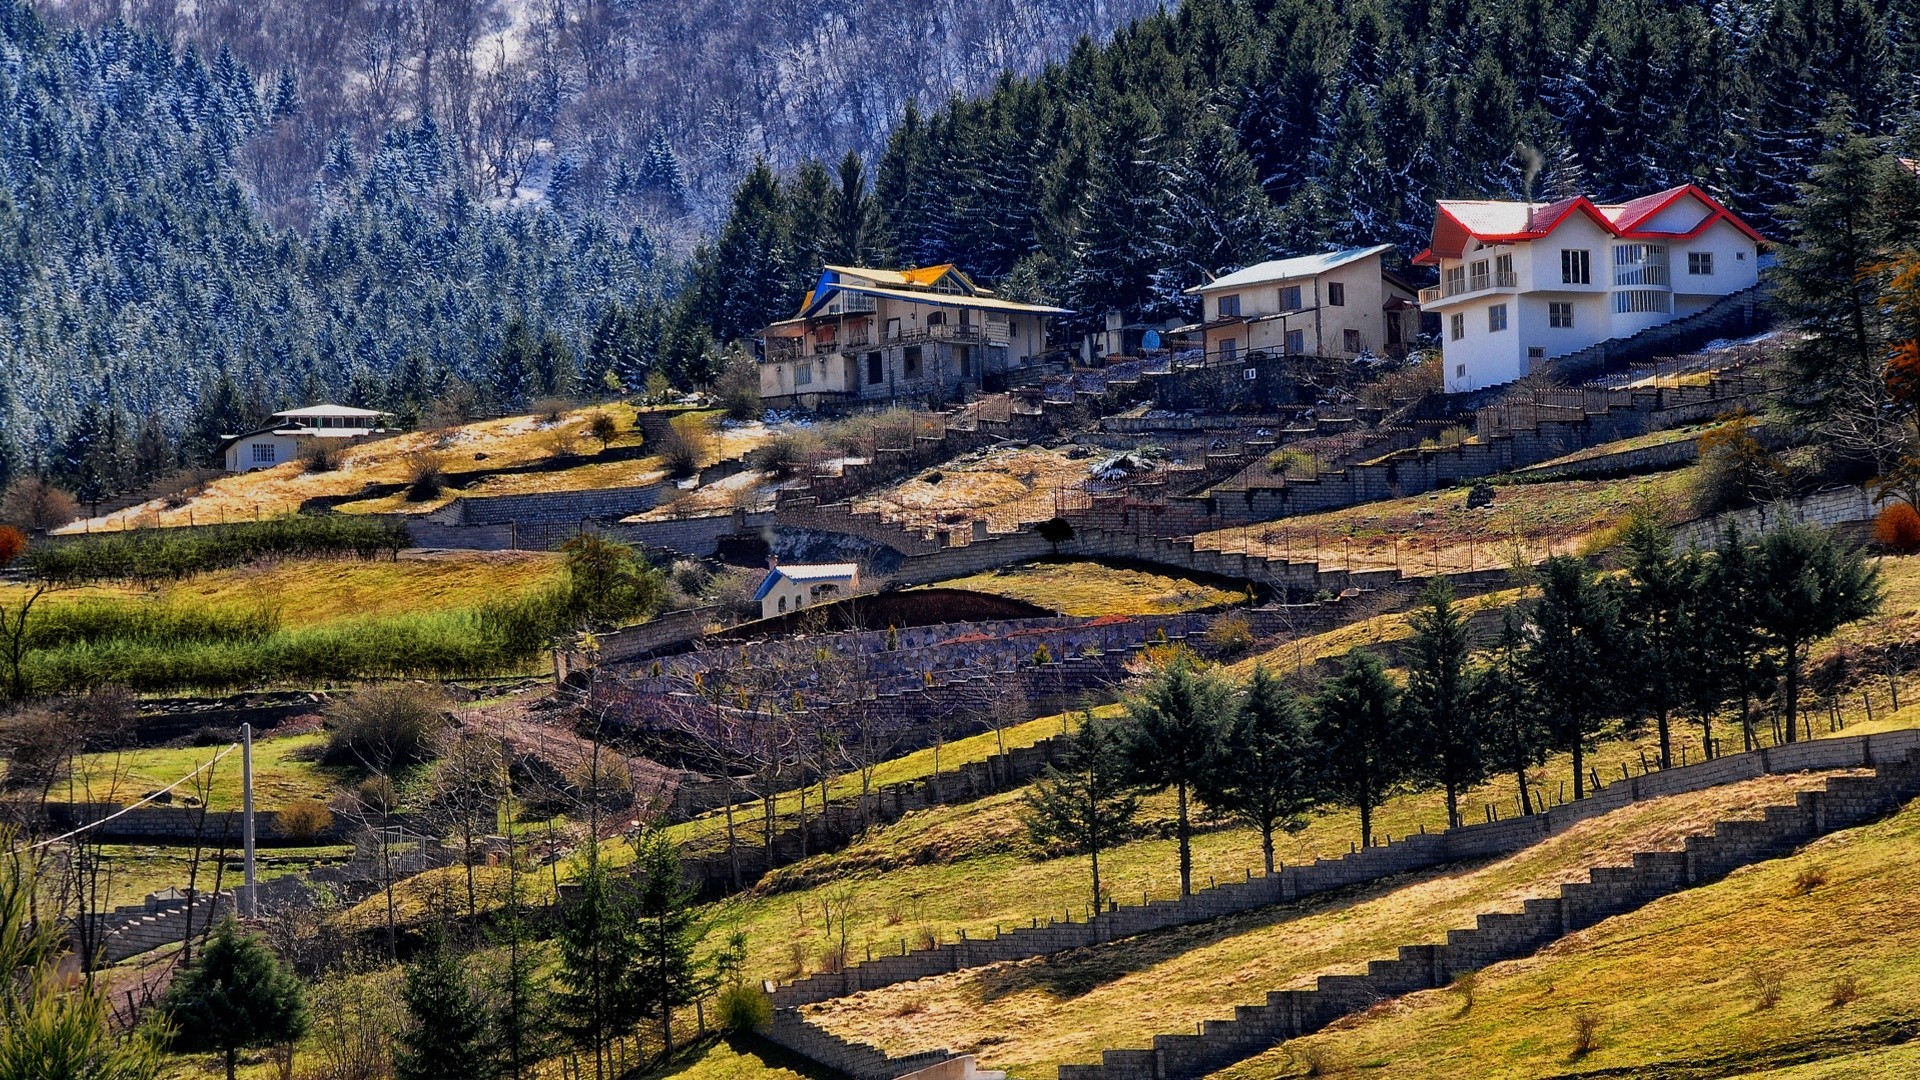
{"x":1493,"y":222}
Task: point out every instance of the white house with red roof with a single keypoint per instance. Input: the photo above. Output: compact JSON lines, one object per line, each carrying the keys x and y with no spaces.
{"x":1522,"y":283}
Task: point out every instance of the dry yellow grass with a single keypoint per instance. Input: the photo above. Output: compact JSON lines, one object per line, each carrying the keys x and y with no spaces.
{"x":1671,"y":987}
{"x":476,"y":447}
{"x":1526,"y":523}
{"x":309,"y":592}
{"x":1091,"y":588}
{"x":1032,"y":1016}
{"x":1004,"y":487}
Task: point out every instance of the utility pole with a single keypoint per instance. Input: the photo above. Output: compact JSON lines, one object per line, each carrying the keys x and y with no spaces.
{"x":249,"y":906}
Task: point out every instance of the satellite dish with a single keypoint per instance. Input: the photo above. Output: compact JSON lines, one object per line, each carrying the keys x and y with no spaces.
{"x":1150,"y":339}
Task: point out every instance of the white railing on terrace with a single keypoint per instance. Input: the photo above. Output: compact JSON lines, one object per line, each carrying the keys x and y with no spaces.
{"x":1498,"y":279}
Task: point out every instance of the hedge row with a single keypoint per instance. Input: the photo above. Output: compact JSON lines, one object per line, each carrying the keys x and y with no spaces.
{"x":173,"y":554}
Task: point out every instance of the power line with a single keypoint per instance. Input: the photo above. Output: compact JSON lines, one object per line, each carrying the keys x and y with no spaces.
{"x":231,"y":747}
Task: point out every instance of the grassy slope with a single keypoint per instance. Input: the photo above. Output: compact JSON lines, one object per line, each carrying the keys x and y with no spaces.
{"x":971,"y":867}
{"x":313,"y":592}
{"x":510,"y":441}
{"x":1091,"y":588}
{"x":1031,"y":1016}
{"x":1437,"y":529}
{"x":1672,"y":984}
{"x":283,"y":771}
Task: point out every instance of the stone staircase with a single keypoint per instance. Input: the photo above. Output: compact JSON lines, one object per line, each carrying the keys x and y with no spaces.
{"x":856,"y":1060}
{"x":1848,"y":801}
{"x":135,"y":929}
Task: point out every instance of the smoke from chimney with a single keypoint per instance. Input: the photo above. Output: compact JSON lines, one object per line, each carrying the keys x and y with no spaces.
{"x":1534,"y":163}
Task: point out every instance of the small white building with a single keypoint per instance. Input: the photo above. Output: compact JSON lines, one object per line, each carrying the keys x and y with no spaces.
{"x":790,"y":588}
{"x":1523,"y":283}
{"x":278,"y":442}
{"x":1339,"y":303}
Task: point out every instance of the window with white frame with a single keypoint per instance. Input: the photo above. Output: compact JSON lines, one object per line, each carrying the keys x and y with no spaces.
{"x":1576,"y":266}
{"x":1496,"y":318}
{"x":1229,"y":305}
{"x":1336,"y":294}
{"x":265,"y":453}
{"x":1456,"y":327}
{"x":1455,"y":280}
{"x":1560,"y":315}
{"x":1700,"y":263}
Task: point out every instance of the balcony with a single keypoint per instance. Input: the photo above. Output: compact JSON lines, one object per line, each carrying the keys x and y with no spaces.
{"x":1644,"y":274}
{"x":1468,"y":285}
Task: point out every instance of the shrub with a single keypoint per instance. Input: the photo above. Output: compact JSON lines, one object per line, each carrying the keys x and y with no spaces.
{"x":781,"y":455}
{"x":738,"y":386}
{"x":305,"y":819}
{"x":34,"y":503}
{"x":659,"y":387}
{"x":386,"y":727}
{"x":606,"y":783}
{"x":174,"y":554}
{"x":744,"y":1007}
{"x":688,"y":444}
{"x":1042,"y":655}
{"x":1844,"y":991}
{"x":1735,"y":469}
{"x":1586,"y":1029}
{"x":1230,"y":635}
{"x":319,"y":455}
{"x":426,"y":475}
{"x":689,"y":576}
{"x":607,"y":584}
{"x":551,"y":409}
{"x":603,"y":429}
{"x":37,"y":744}
{"x":1897,"y":528}
{"x":1290,"y":463}
{"x":1765,"y":981}
{"x":13,"y":544}
{"x":1809,"y":879}
{"x":1465,"y":984}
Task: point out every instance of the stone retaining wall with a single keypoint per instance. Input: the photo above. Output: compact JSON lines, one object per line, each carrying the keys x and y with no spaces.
{"x":1404,"y":855}
{"x":1848,"y":801}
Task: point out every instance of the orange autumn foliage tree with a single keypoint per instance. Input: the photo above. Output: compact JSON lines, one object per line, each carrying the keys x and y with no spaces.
{"x":1898,"y":528}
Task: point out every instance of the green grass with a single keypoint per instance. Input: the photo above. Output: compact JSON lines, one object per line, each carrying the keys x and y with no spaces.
{"x":1086,"y":588}
{"x":130,"y":872}
{"x":284,"y":770}
{"x":1671,"y":986}
{"x":708,"y":832}
{"x":971,"y":867}
{"x":1032,"y":1016}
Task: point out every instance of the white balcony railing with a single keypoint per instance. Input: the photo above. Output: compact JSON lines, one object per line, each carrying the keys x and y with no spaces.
{"x":1498,"y":279}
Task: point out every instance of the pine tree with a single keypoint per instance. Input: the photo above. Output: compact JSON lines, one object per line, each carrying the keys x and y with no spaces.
{"x":1126,"y":230}
{"x":1825,"y":282}
{"x":234,"y":995}
{"x":1264,"y":771}
{"x":446,"y":1036}
{"x":1809,"y":586}
{"x":1171,"y":736}
{"x":1503,"y":699}
{"x":599,"y":952}
{"x":1451,"y":740}
{"x":1084,"y":803}
{"x":1655,"y":606}
{"x":1358,"y":734}
{"x":666,"y":976}
{"x":1573,"y":657}
{"x":855,"y":218}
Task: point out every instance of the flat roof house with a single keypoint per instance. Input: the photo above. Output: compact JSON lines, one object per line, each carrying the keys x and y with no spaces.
{"x":1523,"y":283}
{"x":922,"y":334}
{"x":265,"y":447}
{"x":1338,"y":303}
{"x":790,"y":588}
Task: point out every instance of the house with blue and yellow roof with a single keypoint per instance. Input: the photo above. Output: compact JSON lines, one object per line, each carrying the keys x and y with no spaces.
{"x":925,"y":334}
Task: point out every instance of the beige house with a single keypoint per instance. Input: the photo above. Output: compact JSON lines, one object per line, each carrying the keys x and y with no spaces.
{"x":790,"y":588}
{"x":1339,"y":303}
{"x":923,"y":334}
